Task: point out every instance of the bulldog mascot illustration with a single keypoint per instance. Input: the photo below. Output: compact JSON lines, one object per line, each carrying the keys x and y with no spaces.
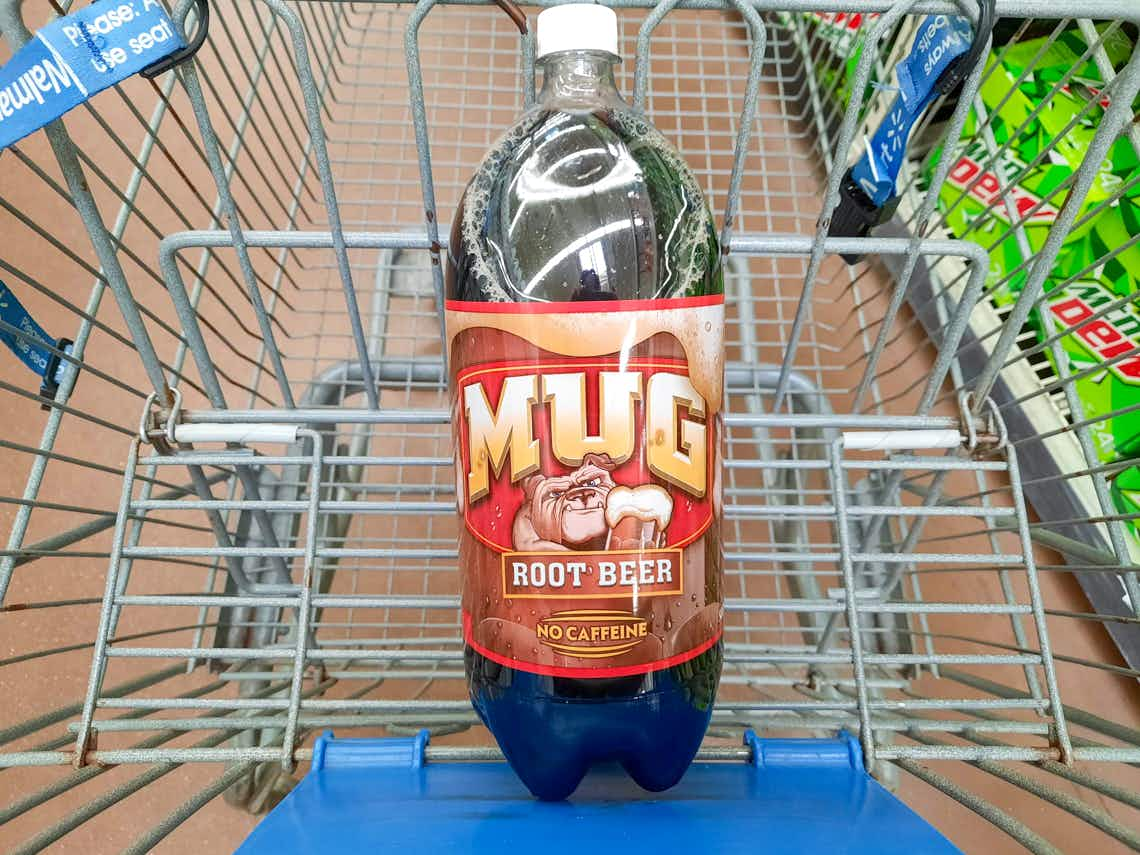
{"x":565,"y":512}
{"x":586,"y":510}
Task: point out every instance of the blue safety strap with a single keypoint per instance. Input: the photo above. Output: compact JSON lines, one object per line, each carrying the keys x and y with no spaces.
{"x":31,"y":342}
{"x":941,"y":40}
{"x":78,"y":55}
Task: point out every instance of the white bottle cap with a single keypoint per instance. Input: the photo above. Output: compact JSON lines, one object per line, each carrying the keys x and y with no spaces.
{"x":577,"y":26}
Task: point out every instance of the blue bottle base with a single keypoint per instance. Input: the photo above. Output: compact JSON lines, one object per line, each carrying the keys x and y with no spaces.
{"x":552,"y":730}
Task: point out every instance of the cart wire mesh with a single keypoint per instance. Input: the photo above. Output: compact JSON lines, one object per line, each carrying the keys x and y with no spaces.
{"x":246,"y":254}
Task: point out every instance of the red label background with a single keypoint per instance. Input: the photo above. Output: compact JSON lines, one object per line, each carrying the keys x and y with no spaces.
{"x":502,"y":628}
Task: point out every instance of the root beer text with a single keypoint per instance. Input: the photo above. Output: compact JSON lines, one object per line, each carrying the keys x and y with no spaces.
{"x":605,"y":574}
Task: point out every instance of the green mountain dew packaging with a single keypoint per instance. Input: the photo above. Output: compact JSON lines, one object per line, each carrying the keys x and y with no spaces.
{"x":1043,"y":139}
{"x":1042,"y":136}
{"x":1039,"y":155}
{"x":844,"y":34}
{"x":1043,"y":103}
{"x":1126,"y":490}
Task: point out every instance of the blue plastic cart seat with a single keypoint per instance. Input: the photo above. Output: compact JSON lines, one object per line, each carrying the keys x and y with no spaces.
{"x":797,"y":795}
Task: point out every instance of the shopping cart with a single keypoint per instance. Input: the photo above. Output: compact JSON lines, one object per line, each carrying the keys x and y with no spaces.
{"x":245,"y":253}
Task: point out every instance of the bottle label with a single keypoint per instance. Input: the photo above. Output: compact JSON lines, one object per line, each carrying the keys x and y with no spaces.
{"x":588,"y":481}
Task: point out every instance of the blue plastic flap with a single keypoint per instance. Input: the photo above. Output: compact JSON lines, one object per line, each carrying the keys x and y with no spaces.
{"x":330,"y":753}
{"x":797,"y":796}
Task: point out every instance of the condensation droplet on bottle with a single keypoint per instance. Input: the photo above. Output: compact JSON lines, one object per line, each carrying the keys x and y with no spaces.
{"x":509,"y":602}
{"x":694,"y":598}
{"x":668,"y":622}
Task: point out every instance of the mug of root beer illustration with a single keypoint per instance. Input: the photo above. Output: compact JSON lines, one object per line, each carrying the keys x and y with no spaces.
{"x":586,"y":510}
{"x":637,"y":517}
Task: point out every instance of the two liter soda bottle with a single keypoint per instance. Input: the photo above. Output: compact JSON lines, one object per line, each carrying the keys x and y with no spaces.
{"x":585,"y":318}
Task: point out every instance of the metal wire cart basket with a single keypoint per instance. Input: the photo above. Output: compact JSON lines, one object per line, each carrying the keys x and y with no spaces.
{"x":231,"y":523}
